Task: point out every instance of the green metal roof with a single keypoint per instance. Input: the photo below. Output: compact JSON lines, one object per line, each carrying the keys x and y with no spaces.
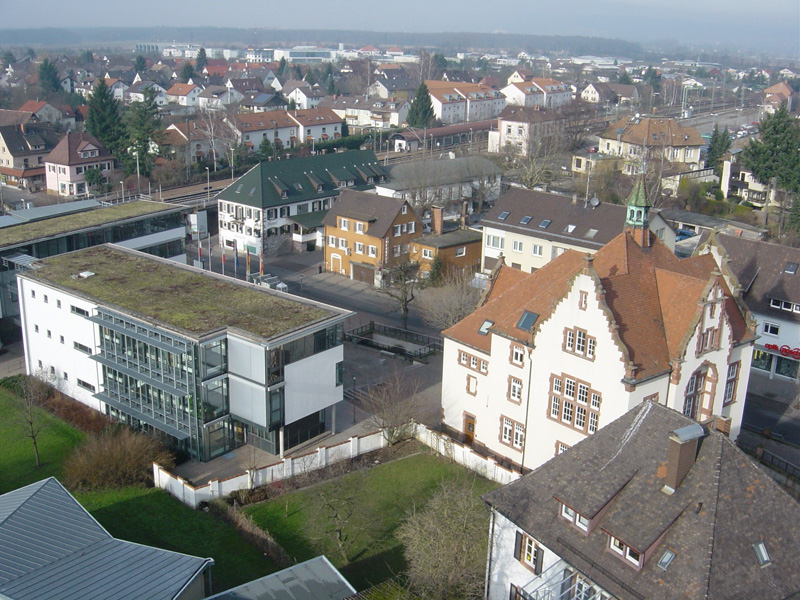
{"x":638,"y":195}
{"x":277,"y":183}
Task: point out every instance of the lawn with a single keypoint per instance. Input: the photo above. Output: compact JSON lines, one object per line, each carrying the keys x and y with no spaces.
{"x":153,"y":517}
{"x":142,"y":515}
{"x":17,"y":462}
{"x":381,"y":499}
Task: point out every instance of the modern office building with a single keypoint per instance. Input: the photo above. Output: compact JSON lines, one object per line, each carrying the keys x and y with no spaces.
{"x":152,"y":227}
{"x":210,"y":362}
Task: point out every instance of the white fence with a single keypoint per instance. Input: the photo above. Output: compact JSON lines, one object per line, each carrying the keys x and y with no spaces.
{"x":322,"y":457}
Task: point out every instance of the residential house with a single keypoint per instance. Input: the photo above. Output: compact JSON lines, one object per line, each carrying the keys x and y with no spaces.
{"x":262,"y":102}
{"x":53,"y":548}
{"x":366,"y":233}
{"x":767,"y":276}
{"x":738,"y":182}
{"x":394,"y":85}
{"x":44,"y":112}
{"x":246,"y":365}
{"x":550,"y":357}
{"x":23,"y":149}
{"x":317,"y":124}
{"x":218,"y":97}
{"x":368,"y":113}
{"x":196,"y":141}
{"x":117,"y":87}
{"x":520,"y":76}
{"x":458,"y":250}
{"x":16,"y":117}
{"x":136,"y":93}
{"x":652,"y":506}
{"x":66,"y":165}
{"x":458,"y":102}
{"x":528,"y":229}
{"x":521,"y":130}
{"x":278,"y":199}
{"x":775,"y":96}
{"x":275,"y":125}
{"x":245,"y":85}
{"x":540,"y":92}
{"x":651,"y":139}
{"x":446,"y":182}
{"x":305,"y":97}
{"x":184,"y":94}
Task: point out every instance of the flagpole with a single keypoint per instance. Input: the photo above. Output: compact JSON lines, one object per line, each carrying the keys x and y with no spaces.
{"x":210,"y":253}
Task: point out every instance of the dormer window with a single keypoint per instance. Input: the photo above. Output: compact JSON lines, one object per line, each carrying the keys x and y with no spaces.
{"x":625,"y":551}
{"x":575,"y":518}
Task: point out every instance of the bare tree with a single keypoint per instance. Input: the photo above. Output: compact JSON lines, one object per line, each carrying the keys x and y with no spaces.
{"x":445,"y":305}
{"x":541,"y":161}
{"x":211,"y":125}
{"x":33,"y":391}
{"x":399,"y":280}
{"x":577,"y":118}
{"x":445,"y":544}
{"x":392,"y":406}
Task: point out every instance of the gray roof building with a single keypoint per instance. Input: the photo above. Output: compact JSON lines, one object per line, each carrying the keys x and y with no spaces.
{"x":51,"y":547}
{"x":653,"y":506}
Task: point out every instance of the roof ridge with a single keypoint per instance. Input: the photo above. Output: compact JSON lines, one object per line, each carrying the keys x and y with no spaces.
{"x":712,"y":537}
{"x":41,"y":485}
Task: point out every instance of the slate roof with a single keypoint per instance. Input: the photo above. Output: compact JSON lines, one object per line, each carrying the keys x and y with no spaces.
{"x":413,"y":174}
{"x":15,"y":117}
{"x":315,"y":579}
{"x":315,"y":116}
{"x":761,"y":270}
{"x":23,"y":140}
{"x":51,"y":547}
{"x":261,"y":186}
{"x":653,"y":132}
{"x":66,"y":151}
{"x":653,"y":297}
{"x":725,"y":504}
{"x":378,"y":211}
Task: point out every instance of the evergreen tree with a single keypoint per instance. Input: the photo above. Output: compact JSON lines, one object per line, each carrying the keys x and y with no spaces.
{"x":87,"y":57}
{"x":264,"y":149}
{"x":281,"y":67}
{"x":625,"y":79}
{"x":652,"y":78}
{"x":140,"y":64}
{"x":187,"y":72}
{"x":776,"y":154}
{"x":8,"y":58}
{"x":421,"y":112}
{"x":328,"y":70}
{"x":144,"y":134}
{"x":103,"y":120}
{"x":310,"y":79}
{"x":49,"y":82}
{"x":719,"y":144}
{"x":201,"y":61}
{"x":331,"y":88}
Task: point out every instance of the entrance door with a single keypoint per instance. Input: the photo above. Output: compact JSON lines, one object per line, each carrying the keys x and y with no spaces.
{"x":469,"y":428}
{"x":336,"y":263}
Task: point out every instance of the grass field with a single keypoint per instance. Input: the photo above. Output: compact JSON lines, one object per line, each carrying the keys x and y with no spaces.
{"x":382,"y":498}
{"x":142,"y":515}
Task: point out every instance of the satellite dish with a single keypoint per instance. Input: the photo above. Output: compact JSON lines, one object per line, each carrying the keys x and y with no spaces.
{"x":595,"y":202}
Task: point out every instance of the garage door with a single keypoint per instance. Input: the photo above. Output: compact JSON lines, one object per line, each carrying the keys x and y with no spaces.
{"x":362,"y":273}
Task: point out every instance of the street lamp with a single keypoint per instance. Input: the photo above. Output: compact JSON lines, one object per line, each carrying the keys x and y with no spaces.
{"x":122,"y":189}
{"x":208,"y":187}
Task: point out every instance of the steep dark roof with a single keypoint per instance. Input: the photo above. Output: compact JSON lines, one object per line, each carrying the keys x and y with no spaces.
{"x":262,"y":185}
{"x":761,"y":270}
{"x":22,"y":140}
{"x":66,"y":152}
{"x":378,"y":211}
{"x":725,"y":504}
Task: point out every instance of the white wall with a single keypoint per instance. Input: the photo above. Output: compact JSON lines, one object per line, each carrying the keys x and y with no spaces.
{"x":311,"y":384}
{"x":50,"y":350}
{"x":246,"y":359}
{"x":248,"y":400}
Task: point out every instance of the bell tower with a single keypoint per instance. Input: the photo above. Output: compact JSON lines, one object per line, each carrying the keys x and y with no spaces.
{"x":637,"y":217}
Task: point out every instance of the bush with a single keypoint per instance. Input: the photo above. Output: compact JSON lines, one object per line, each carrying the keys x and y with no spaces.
{"x":115,"y":459}
{"x":77,"y":414}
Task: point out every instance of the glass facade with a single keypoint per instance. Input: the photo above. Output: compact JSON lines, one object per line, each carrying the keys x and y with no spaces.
{"x":775,"y":364}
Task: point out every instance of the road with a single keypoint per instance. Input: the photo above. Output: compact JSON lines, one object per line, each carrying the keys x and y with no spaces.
{"x":731,"y":118}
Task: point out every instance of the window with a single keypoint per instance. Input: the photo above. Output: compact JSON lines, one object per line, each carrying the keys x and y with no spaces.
{"x":771,"y":328}
{"x":81,"y":348}
{"x":372,"y":251}
{"x":580,"y":417}
{"x":569,"y":388}
{"x":561,"y":448}
{"x":461,"y":252}
{"x":33,"y":293}
{"x":58,"y":303}
{"x":566,"y":414}
{"x":332,"y":241}
{"x":495,"y":241}
{"x":583,"y":393}
{"x":61,"y":339}
{"x":79,"y":311}
{"x":396,"y":250}
{"x":427,"y":253}
{"x":339,"y":373}
{"x":404,"y":209}
{"x":537,"y":250}
{"x":555,"y":407}
{"x":512,"y":433}
{"x":730,"y":383}
{"x":583,"y":300}
{"x":473,"y":362}
{"x":36,"y":328}
{"x":578,"y":342}
{"x":517,"y":354}
{"x":472,"y":385}
{"x":45,"y":299}
{"x":412,"y":227}
{"x":463,"y":357}
{"x":396,"y":230}
{"x":528,"y":552}
{"x":569,"y":343}
{"x":344,"y":224}
{"x":516,"y":246}
{"x":359,"y":227}
{"x":359,"y":248}
{"x":342,"y":243}
{"x":86,"y":386}
{"x":557,"y":386}
{"x":484,"y":366}
{"x":515,"y":389}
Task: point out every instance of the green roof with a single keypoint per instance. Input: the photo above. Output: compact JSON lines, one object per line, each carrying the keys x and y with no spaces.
{"x":301,"y":178}
{"x":310,"y":220}
{"x":638,"y":195}
{"x":193,"y":301}
{"x":46,"y":228}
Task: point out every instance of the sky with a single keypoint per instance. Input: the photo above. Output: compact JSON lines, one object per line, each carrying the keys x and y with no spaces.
{"x":772,"y":25}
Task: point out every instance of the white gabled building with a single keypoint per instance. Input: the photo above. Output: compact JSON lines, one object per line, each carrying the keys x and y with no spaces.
{"x":550,"y":357}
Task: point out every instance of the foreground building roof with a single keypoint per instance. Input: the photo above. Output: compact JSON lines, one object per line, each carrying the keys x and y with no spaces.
{"x":51,"y":547}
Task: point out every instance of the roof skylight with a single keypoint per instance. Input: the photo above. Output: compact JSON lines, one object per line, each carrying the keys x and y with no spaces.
{"x":762,"y":556}
{"x":526,"y":219}
{"x":484,"y":329}
{"x":666,"y":559}
{"x":503,"y":215}
{"x":791,"y":268}
{"x":545,"y":223}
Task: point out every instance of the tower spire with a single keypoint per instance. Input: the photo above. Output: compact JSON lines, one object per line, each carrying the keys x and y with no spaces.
{"x":637,"y":220}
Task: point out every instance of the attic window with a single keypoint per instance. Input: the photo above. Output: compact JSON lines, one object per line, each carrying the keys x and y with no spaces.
{"x":526,"y":219}
{"x":239,"y":188}
{"x":545,"y":224}
{"x":666,"y":559}
{"x":298,"y":186}
{"x":503,"y":215}
{"x":527,"y":320}
{"x":791,"y":268}
{"x":252,"y":191}
{"x":591,"y":233}
{"x":761,"y":554}
{"x":569,"y":228}
{"x":484,"y":329}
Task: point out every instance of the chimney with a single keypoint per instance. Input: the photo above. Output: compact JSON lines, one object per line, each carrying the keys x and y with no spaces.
{"x":437,"y":220}
{"x":681,"y":455}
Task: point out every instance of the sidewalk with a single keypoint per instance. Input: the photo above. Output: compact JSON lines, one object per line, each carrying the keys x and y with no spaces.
{"x":12,"y":360}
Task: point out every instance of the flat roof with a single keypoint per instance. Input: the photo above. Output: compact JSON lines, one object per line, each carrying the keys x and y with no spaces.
{"x":46,"y":228}
{"x":193,"y":301}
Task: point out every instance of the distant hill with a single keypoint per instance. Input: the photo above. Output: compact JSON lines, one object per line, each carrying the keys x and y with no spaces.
{"x":217,"y":36}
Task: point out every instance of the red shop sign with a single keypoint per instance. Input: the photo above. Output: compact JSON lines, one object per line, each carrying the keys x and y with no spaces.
{"x":785,"y":350}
